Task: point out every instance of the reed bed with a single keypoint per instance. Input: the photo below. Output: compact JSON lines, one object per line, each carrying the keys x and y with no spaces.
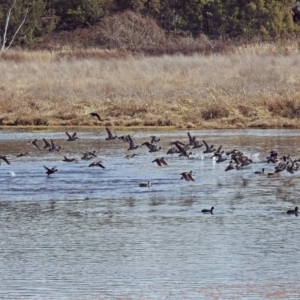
{"x":240,"y":89}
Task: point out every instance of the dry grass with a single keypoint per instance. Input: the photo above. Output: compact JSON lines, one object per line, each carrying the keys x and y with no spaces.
{"x":251,"y":86}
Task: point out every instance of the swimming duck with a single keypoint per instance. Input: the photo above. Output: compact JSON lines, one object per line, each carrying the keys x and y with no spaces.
{"x":148,"y":184}
{"x":205,"y":211}
{"x":68,"y":159}
{"x":260,"y":172}
{"x":293,"y":211}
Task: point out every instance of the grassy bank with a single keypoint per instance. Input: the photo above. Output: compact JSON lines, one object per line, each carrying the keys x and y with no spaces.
{"x":257,"y":86}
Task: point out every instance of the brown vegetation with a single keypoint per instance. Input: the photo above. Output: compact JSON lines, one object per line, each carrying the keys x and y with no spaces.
{"x":249,"y":86}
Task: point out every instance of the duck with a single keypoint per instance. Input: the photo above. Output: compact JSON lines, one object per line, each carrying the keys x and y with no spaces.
{"x":86,"y":156}
{"x":34,"y":143}
{"x":154,"y":139}
{"x":54,"y":146}
{"x":187,"y":176}
{"x":260,"y":172}
{"x":68,"y":159}
{"x":209,"y":149}
{"x":72,"y":137}
{"x":110,"y":135}
{"x":148,"y":184}
{"x":46,"y":144}
{"x":293,"y":211}
{"x":3,"y":157}
{"x":94,"y":114}
{"x":160,"y":161}
{"x":97,"y":164}
{"x":172,"y":150}
{"x":50,"y":171}
{"x":132,"y":146}
{"x":130,"y":155}
{"x":205,"y":211}
{"x":22,"y":154}
{"x":230,"y":166}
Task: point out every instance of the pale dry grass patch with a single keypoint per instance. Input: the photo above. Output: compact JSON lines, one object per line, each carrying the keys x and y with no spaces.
{"x":223,"y":91}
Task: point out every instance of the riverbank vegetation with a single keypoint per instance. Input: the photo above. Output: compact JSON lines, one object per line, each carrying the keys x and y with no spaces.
{"x":249,"y":86}
{"x":204,"y":64}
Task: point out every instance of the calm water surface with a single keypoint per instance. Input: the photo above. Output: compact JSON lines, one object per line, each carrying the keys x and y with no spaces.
{"x":92,"y":233}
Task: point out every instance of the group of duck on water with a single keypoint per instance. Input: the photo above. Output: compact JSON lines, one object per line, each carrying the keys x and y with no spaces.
{"x":237,"y":160}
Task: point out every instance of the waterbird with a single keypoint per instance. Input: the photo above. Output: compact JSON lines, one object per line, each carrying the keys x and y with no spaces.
{"x":230,"y":166}
{"x":154,"y":139}
{"x":110,"y":136}
{"x":94,"y":114}
{"x":187,"y":176}
{"x":173,"y":150}
{"x":50,"y":171}
{"x":72,"y":137}
{"x":46,"y":144}
{"x":160,"y":161}
{"x":260,"y":172}
{"x":124,"y":138}
{"x":66,"y":159}
{"x":3,"y":157}
{"x":86,"y":156}
{"x":293,"y":211}
{"x":148,"y":184}
{"x":97,"y":164}
{"x":54,"y":146}
{"x":130,"y":155}
{"x":205,"y":211}
{"x":22,"y":154}
{"x":154,"y":148}
{"x":208,"y":149}
{"x":34,"y":143}
{"x":132,"y":146}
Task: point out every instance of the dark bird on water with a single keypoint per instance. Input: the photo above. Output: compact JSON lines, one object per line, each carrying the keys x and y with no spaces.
{"x":187,"y":176}
{"x":50,"y":171}
{"x":66,"y":159}
{"x":72,"y":137}
{"x":97,"y":164}
{"x":205,"y":211}
{"x":160,"y":161}
{"x":293,"y":211}
{"x":148,"y":184}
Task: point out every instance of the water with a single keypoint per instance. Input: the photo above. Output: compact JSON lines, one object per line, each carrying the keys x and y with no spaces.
{"x":92,"y":233}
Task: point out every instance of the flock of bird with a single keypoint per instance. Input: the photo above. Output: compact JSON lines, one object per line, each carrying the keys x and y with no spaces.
{"x":236,"y":159}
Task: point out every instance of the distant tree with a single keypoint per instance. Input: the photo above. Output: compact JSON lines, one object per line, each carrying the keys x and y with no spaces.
{"x":74,"y":14}
{"x":296,"y":11}
{"x":24,"y":22}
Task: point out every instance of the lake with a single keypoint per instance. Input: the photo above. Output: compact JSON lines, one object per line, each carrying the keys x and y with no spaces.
{"x":92,"y":233}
